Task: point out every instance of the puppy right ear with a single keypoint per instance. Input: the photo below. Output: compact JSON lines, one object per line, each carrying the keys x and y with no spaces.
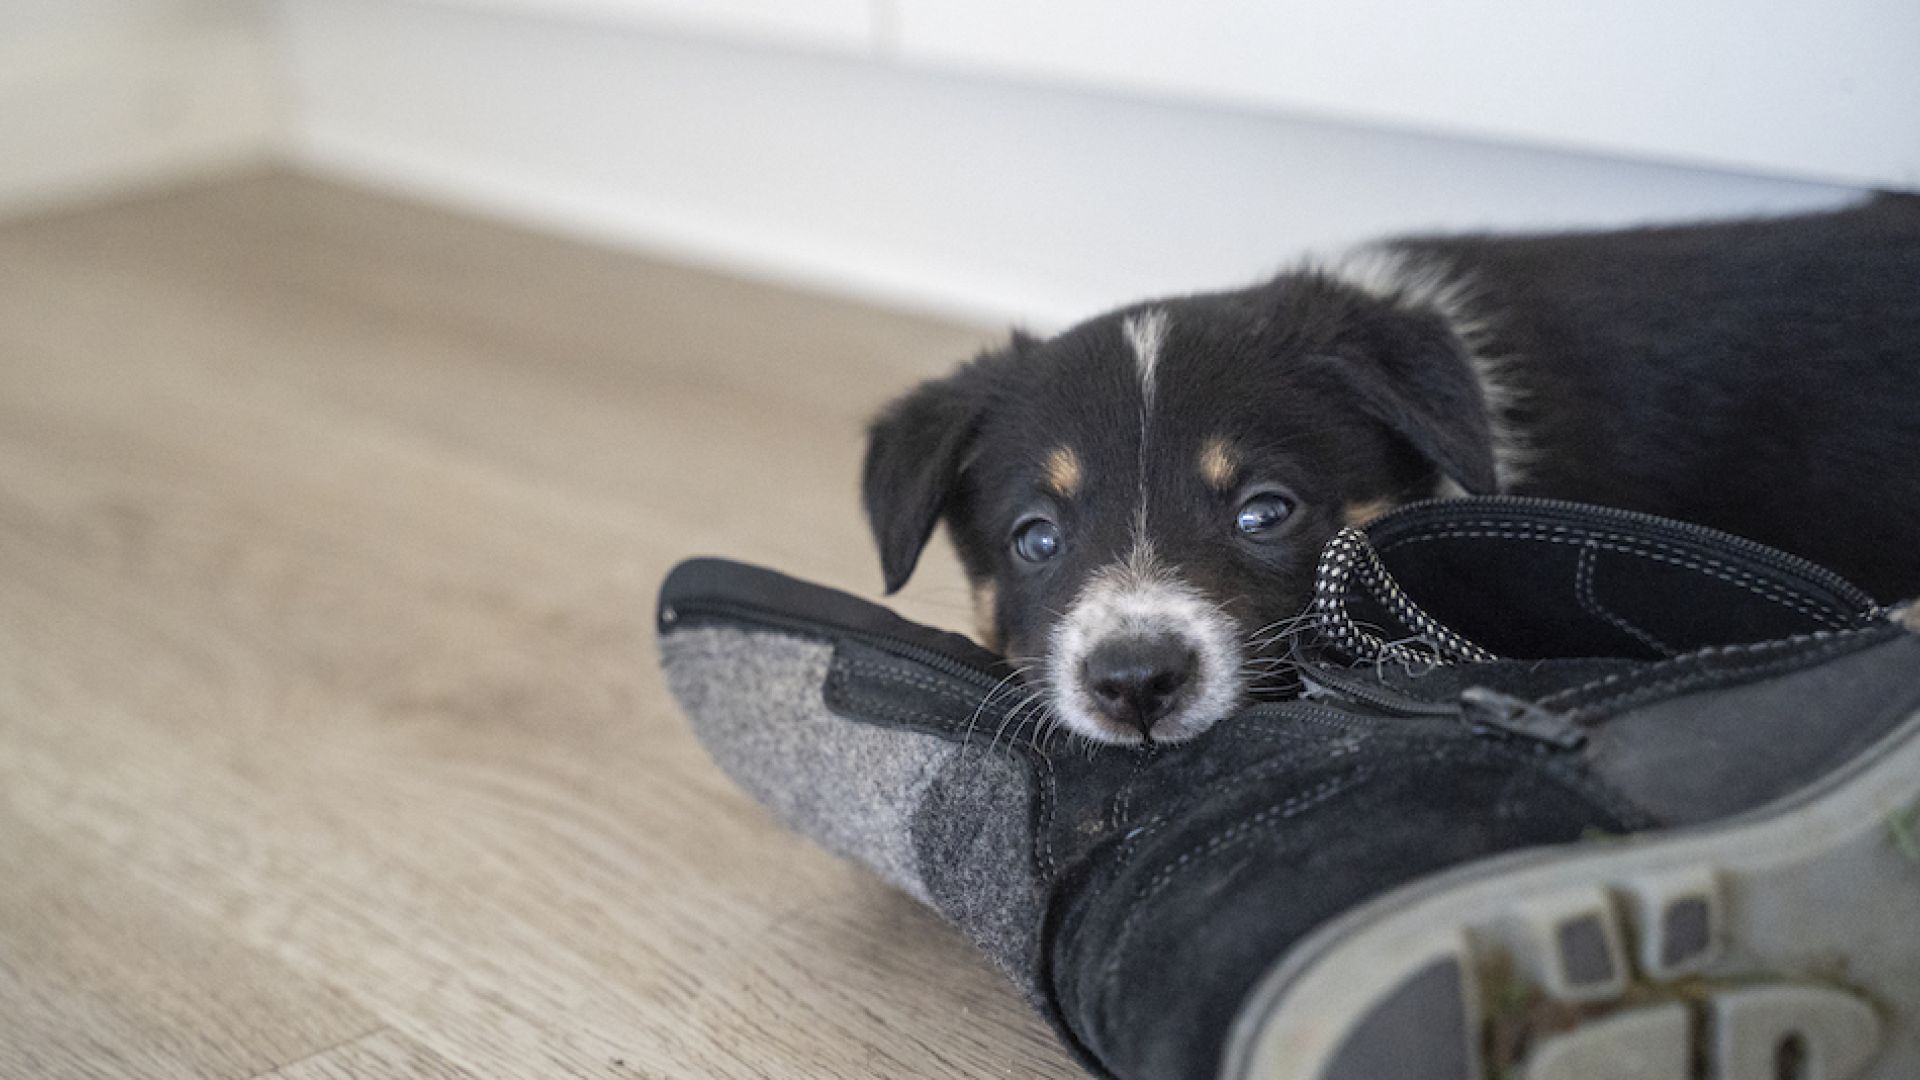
{"x":915,"y":450}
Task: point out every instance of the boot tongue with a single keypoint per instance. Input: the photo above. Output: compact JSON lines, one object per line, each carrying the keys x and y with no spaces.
{"x":1364,"y":615}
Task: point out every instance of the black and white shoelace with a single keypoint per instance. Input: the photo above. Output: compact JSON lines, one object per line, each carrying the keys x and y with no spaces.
{"x":1349,"y":560}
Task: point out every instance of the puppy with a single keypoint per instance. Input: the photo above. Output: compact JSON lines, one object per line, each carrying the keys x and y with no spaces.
{"x":1140,"y":500}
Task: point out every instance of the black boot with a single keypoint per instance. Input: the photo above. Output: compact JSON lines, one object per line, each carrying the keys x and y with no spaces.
{"x":1569,"y":793}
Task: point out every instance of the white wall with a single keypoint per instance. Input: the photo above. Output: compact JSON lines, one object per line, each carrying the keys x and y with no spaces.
{"x":98,"y":96}
{"x":849,"y":26}
{"x":1826,"y":91}
{"x":854,"y":144}
{"x":954,"y":191}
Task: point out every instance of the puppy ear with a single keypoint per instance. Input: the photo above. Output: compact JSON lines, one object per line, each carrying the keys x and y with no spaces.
{"x":1414,"y":375}
{"x":916,"y":449}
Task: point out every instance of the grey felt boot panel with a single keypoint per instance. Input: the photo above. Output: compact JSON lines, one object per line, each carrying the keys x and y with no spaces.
{"x":975,"y":840}
{"x":754,"y":701}
{"x":949,"y":822}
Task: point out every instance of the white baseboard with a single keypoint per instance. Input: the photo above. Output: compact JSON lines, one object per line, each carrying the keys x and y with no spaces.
{"x":947,"y":192}
{"x":85,"y":115}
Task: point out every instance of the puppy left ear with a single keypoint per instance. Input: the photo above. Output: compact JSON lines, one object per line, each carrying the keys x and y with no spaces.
{"x":1414,"y":375}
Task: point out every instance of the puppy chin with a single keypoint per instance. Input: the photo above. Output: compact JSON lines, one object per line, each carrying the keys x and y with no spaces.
{"x":1136,"y":598}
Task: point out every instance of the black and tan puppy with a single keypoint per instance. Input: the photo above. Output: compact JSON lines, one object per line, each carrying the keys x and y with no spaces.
{"x":1140,"y":498}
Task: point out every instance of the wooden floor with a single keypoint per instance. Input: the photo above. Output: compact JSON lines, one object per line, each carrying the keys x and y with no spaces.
{"x":331,"y":739}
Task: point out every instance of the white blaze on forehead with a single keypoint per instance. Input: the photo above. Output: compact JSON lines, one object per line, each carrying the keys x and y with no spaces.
{"x":1146,"y":333}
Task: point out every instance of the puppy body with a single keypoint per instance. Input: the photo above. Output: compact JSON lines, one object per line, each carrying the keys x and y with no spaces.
{"x":1759,"y":377}
{"x":1140,"y":499}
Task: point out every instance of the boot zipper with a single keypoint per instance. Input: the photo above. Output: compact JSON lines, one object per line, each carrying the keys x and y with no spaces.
{"x":1486,"y":709}
{"x":1320,"y":679}
{"x":752,"y":615}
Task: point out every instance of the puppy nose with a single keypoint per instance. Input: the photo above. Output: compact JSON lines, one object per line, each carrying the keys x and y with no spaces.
{"x":1134,"y":680}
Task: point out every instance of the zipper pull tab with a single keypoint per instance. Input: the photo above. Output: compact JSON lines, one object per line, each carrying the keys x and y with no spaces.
{"x":1490,"y":710}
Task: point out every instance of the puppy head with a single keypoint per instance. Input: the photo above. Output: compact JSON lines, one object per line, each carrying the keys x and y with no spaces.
{"x":1143,"y":497}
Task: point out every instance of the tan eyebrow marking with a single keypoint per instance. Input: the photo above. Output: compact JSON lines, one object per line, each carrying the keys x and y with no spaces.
{"x":1064,"y":473}
{"x":1218,"y":464}
{"x":1359,"y":513}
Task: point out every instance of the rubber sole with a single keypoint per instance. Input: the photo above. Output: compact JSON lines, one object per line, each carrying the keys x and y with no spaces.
{"x":1783,"y":945}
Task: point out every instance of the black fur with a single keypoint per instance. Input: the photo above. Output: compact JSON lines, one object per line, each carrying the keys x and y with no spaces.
{"x":1761,"y":377}
{"x":1410,"y":375}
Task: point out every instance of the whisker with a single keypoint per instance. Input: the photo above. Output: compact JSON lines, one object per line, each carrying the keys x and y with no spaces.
{"x":1031,"y":702}
{"x":1285,"y":628}
{"x":974,"y":717}
{"x":1005,"y":717}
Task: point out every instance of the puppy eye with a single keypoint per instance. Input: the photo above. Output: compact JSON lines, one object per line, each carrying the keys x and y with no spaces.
{"x":1262,"y":513}
{"x":1037,"y":541}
